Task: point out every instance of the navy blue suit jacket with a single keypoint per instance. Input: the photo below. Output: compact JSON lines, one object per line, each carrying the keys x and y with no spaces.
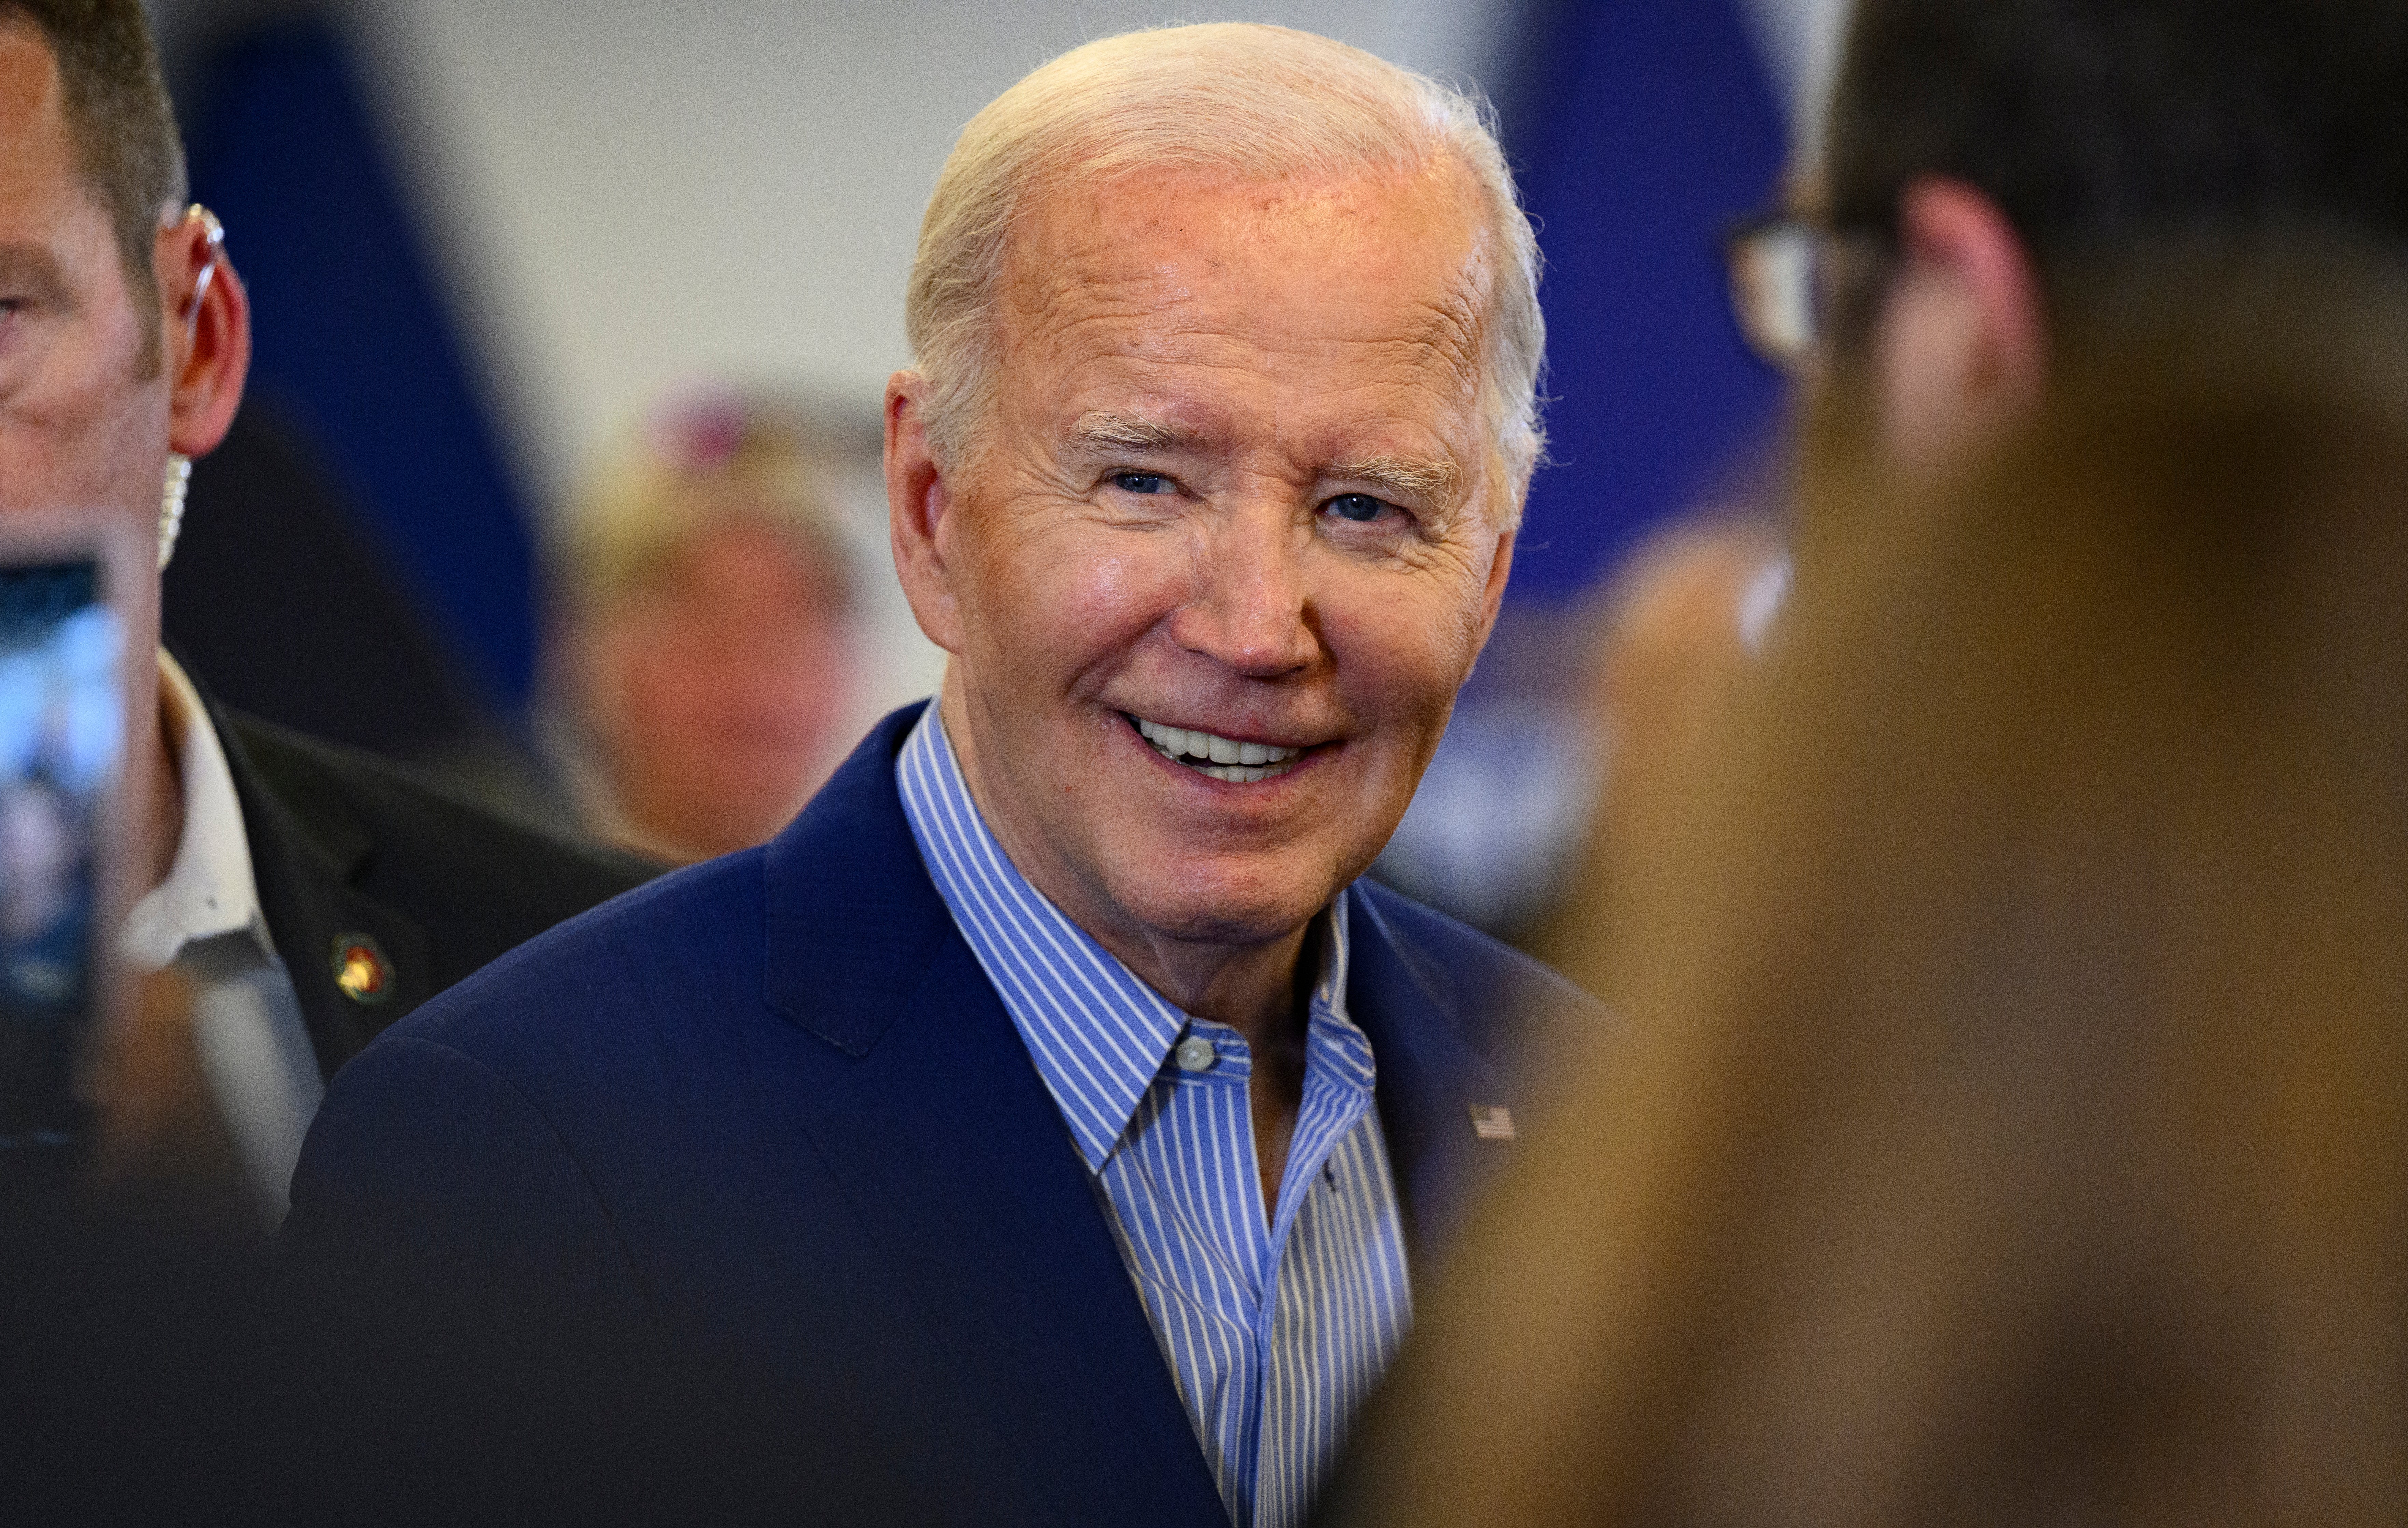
{"x":772,"y":1105}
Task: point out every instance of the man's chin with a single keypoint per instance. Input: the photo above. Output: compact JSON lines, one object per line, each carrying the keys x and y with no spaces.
{"x":1233,"y":918}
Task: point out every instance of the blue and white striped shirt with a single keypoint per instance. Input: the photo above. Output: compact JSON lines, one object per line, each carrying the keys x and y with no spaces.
{"x":1276,"y":1332}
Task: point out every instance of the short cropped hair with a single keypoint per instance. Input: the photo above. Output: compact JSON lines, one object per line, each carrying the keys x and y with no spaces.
{"x":2102,"y":125}
{"x":121,"y":122}
{"x":1260,"y":103}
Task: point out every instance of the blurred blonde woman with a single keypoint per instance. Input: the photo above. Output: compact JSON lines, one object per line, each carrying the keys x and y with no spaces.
{"x":2013,"y":1123}
{"x":701,"y":653}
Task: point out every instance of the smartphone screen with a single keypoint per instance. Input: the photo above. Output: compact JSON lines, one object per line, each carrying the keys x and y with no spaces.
{"x":62,"y":749}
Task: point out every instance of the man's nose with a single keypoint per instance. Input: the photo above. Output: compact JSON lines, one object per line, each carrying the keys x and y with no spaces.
{"x":1252,"y":611}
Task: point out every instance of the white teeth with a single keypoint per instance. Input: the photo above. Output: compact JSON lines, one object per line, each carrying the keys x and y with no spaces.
{"x":1237,"y":775}
{"x":1238,"y":763}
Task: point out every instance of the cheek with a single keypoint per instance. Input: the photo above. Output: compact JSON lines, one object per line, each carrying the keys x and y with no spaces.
{"x":1405,"y":646}
{"x":85,"y":444}
{"x":1071,"y":595}
{"x":1124,"y":585}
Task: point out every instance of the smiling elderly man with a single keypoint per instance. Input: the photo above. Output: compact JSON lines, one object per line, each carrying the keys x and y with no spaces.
{"x":1050,"y":1114}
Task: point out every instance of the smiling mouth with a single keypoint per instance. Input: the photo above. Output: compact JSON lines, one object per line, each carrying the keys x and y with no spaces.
{"x":1218,"y":757}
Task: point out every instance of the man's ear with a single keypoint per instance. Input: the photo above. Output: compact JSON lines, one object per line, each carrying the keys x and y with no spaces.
{"x":206,"y":316}
{"x":1963,"y":347}
{"x":918,"y":500}
{"x":1499,"y":571}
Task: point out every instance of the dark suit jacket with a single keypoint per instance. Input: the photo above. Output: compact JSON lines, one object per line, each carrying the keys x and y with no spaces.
{"x":344,"y":843}
{"x":771,"y":1106}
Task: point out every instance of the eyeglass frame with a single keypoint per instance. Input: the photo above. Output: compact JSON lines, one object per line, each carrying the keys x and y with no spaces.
{"x":1798,"y":284}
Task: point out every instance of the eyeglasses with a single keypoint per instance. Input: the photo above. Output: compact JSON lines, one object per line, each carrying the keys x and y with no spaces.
{"x":1791,"y":278}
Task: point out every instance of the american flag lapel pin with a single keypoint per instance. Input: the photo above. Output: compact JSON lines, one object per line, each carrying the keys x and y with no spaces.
{"x":1492,"y":1122}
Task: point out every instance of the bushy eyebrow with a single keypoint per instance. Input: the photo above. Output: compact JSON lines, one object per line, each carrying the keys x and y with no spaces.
{"x":1432,"y":482}
{"x":1102,"y":433}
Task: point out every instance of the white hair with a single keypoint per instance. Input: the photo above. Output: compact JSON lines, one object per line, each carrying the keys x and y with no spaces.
{"x":1260,"y":103}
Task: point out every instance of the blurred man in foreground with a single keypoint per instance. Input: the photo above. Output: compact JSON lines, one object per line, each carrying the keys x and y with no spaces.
{"x":1050,"y":1119}
{"x":312,"y":895}
{"x":2014,"y":1128}
{"x":701,"y":643}
{"x":1998,"y":176}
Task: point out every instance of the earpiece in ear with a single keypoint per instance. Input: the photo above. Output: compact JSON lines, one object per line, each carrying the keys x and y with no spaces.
{"x":171,"y":506}
{"x":216,"y":232}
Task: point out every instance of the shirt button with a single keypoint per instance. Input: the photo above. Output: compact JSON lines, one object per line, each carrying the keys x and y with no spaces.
{"x":1196,"y":1054}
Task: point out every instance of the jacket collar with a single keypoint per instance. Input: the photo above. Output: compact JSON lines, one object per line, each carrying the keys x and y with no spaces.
{"x":1431,"y":1076}
{"x":855,"y":922}
{"x":955,"y":1158}
{"x":956,"y":1164}
{"x":308,"y":857}
{"x":1098,"y":1032}
{"x":210,"y":890}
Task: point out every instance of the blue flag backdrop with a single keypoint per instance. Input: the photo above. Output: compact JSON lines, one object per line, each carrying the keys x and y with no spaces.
{"x":1639,"y":129}
{"x":355,"y":342}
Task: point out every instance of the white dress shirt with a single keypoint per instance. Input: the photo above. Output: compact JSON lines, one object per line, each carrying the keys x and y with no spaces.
{"x":205,"y":917}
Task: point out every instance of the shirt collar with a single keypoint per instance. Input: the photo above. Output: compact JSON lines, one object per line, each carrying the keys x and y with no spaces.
{"x":210,"y":890}
{"x":1098,"y":1036}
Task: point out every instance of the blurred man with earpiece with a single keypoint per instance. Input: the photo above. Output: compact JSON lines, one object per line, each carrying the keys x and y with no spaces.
{"x":312,"y":895}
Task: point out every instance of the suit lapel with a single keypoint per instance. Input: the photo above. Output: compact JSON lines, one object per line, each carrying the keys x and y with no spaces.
{"x":957,"y":1163}
{"x":305,"y":874}
{"x":1430,"y":1076}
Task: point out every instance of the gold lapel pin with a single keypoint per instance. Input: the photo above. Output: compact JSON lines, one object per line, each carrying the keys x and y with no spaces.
{"x":1492,"y":1122}
{"x":361,"y":968}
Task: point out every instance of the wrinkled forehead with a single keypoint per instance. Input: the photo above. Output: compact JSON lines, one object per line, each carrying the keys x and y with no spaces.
{"x":1166,"y":262}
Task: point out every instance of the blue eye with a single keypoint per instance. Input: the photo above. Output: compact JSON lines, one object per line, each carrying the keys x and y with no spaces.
{"x":1360,"y":508}
{"x":1141,"y":483}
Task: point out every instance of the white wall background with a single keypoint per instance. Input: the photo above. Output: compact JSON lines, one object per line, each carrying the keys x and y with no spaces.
{"x":626,"y":195}
{"x":1800,"y":39}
